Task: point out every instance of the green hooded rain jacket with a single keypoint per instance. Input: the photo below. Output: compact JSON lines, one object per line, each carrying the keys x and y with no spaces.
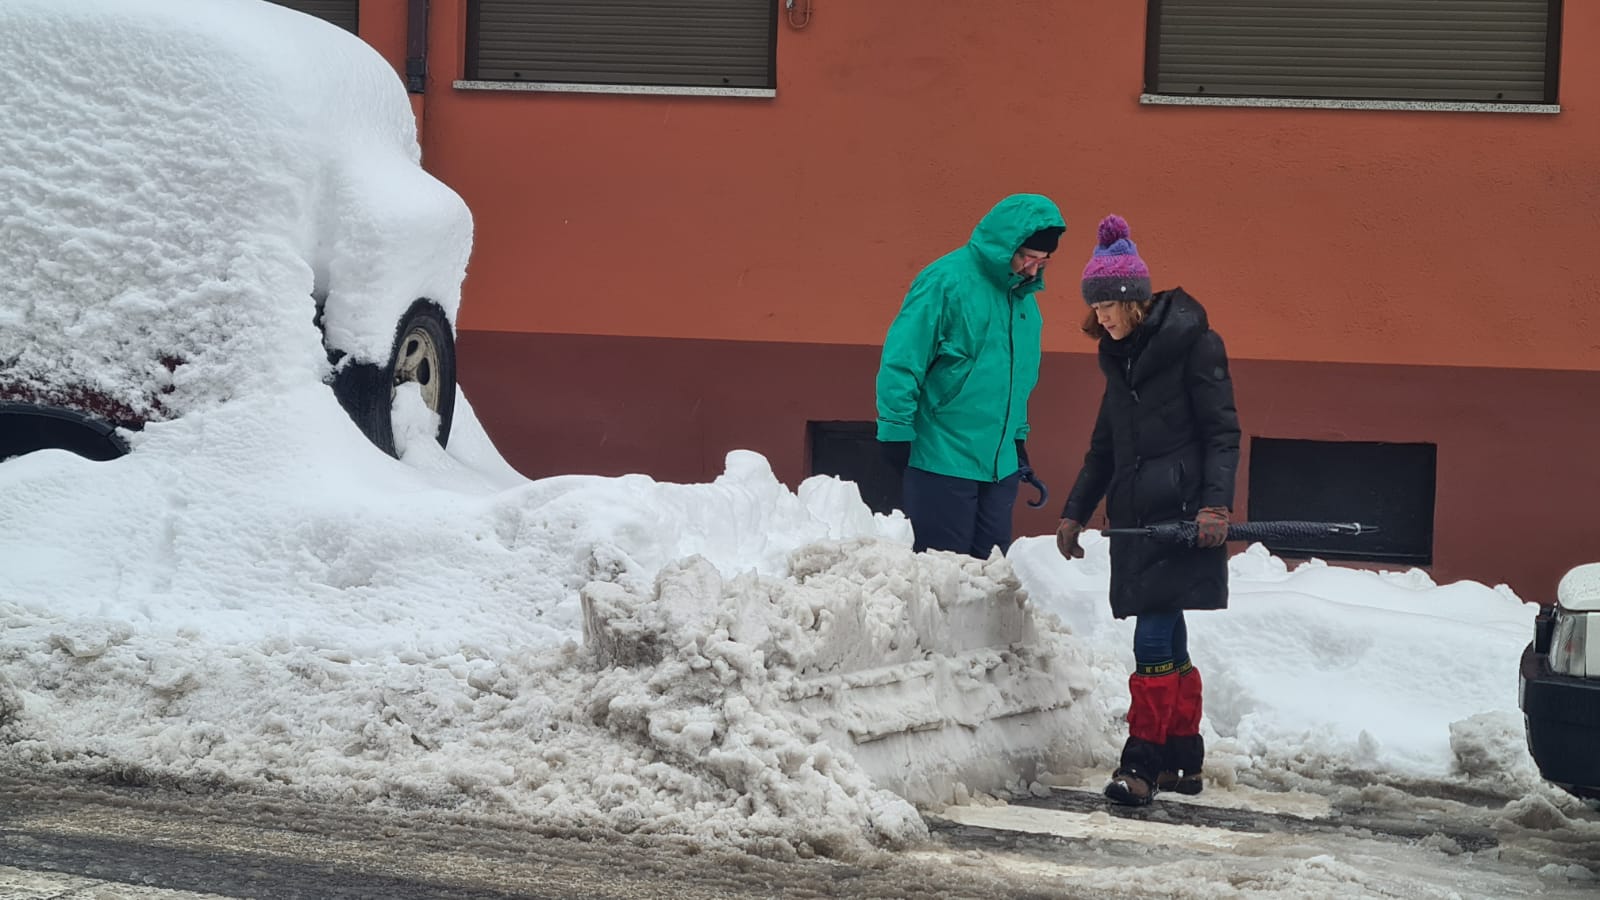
{"x":962,"y":356}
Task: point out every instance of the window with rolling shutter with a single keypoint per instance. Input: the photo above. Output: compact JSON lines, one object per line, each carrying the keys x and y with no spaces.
{"x":1469,"y":51}
{"x":681,"y":43}
{"x":340,"y":12}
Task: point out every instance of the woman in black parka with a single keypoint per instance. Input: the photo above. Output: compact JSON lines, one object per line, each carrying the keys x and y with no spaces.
{"x":1165,"y":448}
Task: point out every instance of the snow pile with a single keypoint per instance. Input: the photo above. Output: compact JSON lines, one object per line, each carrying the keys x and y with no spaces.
{"x":256,"y":598}
{"x":926,"y":673}
{"x":183,"y":176}
{"x":1323,"y":672}
{"x":698,"y":684}
{"x":1550,"y":824}
{"x":305,"y":614}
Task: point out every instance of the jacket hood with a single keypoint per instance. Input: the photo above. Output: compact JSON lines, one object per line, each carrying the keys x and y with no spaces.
{"x":1178,"y":317}
{"x":1003,"y":229}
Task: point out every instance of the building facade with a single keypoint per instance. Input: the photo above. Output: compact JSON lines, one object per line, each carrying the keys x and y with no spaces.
{"x":695,"y":221}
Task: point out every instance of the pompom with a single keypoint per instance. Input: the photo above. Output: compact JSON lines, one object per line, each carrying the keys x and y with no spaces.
{"x":1113,"y":228}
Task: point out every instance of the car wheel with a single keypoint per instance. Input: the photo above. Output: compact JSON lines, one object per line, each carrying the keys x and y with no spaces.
{"x":424,"y":352}
{"x":26,"y":427}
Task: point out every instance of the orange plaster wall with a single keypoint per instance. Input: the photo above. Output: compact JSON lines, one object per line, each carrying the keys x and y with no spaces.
{"x":1314,"y":235}
{"x":383,"y":25}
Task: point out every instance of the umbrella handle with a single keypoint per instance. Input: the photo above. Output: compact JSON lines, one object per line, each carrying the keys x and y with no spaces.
{"x":1044,"y":492}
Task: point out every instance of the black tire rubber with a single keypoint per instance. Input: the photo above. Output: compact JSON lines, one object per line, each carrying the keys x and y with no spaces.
{"x":366,"y":391}
{"x":26,"y":427}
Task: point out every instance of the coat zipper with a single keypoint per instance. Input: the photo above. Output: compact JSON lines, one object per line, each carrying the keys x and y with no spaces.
{"x":1011,"y":376}
{"x":1138,"y":461}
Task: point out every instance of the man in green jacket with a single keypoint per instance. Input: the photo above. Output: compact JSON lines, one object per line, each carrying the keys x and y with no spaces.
{"x":958,"y":365}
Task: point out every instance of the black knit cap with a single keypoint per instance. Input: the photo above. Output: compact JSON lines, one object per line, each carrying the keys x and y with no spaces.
{"x":1045,"y":239}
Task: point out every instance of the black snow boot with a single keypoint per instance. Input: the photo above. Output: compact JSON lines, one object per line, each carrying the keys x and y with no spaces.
{"x":1134,"y":784}
{"x":1183,"y":760}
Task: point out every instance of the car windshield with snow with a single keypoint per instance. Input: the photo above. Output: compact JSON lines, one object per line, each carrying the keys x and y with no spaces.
{"x":190,"y":207}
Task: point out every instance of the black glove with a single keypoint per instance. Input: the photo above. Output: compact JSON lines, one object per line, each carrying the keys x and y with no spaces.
{"x":896,"y":453}
{"x":1067,"y":534}
{"x":1211,"y":527}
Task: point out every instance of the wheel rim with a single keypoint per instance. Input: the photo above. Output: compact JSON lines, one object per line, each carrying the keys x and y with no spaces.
{"x":418,"y":361}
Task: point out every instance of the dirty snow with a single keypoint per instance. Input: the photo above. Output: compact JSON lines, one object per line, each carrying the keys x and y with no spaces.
{"x":255,"y":598}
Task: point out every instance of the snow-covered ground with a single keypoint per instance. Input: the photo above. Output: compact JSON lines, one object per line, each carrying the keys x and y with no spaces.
{"x":256,"y":599}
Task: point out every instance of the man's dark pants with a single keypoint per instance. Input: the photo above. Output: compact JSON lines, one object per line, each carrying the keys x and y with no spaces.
{"x":959,"y":514}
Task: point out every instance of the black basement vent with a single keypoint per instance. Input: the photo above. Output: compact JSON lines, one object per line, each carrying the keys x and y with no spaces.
{"x":1374,"y":483}
{"x":849,"y":450}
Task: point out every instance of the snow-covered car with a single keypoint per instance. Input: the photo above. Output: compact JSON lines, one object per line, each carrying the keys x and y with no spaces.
{"x":197,"y":192}
{"x":1559,"y":685}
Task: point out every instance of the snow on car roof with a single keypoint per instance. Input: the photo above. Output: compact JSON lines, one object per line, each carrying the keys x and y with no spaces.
{"x":184,"y":175}
{"x":1580,"y":589}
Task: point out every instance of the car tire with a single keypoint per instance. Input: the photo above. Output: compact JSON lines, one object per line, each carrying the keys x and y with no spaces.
{"x":26,"y":427}
{"x":424,"y":352}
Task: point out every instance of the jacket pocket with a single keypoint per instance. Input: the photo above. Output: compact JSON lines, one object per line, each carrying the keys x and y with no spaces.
{"x":946,"y":379}
{"x":1158,"y":490}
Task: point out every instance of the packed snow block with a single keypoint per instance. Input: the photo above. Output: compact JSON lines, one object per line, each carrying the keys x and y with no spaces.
{"x":624,"y":632}
{"x":972,"y":691}
{"x":924,"y":672}
{"x":10,"y":703}
{"x":614,"y":628}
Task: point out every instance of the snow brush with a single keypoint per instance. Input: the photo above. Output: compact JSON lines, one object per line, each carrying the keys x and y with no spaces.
{"x":1184,"y":532}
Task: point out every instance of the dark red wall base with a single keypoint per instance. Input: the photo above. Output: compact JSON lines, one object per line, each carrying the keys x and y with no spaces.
{"x":1517,"y":491}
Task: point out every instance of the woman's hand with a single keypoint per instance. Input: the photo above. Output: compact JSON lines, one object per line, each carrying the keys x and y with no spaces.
{"x":1067,"y":539}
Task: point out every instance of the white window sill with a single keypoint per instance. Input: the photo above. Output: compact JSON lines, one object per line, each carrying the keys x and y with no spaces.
{"x":640,"y":89}
{"x":1395,"y":105}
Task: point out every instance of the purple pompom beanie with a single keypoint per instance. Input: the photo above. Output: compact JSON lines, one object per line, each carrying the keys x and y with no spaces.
{"x":1115,"y":271}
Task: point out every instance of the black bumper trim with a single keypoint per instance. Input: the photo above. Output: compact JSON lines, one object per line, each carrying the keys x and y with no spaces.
{"x":1563,"y":722}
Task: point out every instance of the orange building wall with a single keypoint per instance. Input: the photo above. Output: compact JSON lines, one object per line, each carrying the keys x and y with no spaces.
{"x":658,"y":280}
{"x":1326,"y":235}
{"x":383,"y":25}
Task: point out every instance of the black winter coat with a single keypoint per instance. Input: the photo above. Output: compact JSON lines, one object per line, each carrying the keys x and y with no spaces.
{"x":1165,"y":445}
